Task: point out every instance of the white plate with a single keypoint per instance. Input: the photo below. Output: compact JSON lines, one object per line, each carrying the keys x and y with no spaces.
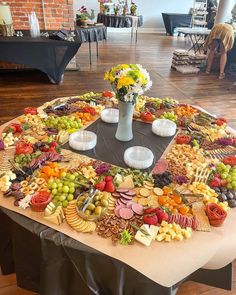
{"x":138,"y":157}
{"x":83,"y":140}
{"x":163,"y":127}
{"x":110,"y":115}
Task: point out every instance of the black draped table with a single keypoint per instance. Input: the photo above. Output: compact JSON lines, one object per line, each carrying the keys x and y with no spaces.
{"x":44,"y":54}
{"x":52,"y":263}
{"x":91,"y":34}
{"x":175,"y":20}
{"x":121,"y":21}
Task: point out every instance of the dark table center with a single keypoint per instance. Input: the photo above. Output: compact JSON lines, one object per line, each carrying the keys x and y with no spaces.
{"x":109,"y":149}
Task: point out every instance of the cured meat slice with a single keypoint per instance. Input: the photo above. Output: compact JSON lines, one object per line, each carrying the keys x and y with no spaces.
{"x":137,"y":208}
{"x":160,"y":167}
{"x":116,"y":195}
{"x":122,"y":190}
{"x":126,"y":213}
{"x":129,"y":204}
{"x":126,"y":196}
{"x":130,"y":193}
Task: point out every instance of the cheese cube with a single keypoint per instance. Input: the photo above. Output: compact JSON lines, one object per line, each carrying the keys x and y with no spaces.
{"x":179,"y":237}
{"x":172,"y":233}
{"x":167,"y":238}
{"x":160,"y":237}
{"x":164,"y":223}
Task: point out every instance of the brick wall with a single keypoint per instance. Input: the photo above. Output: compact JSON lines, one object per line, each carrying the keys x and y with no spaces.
{"x":58,"y":13}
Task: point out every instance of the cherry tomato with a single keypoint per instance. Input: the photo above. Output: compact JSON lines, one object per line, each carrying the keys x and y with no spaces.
{"x":108,"y":94}
{"x":90,"y":110}
{"x":24,"y":148}
{"x":221,"y":121}
{"x":17,"y":127}
{"x":183,"y":139}
{"x":147,"y":116}
{"x":230,"y":160}
{"x":30,"y":110}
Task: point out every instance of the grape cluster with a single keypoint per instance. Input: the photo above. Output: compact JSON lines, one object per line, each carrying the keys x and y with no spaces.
{"x":170,"y":116}
{"x":64,"y":123}
{"x":22,"y":174}
{"x":161,"y":180}
{"x":65,"y":188}
{"x":227,"y":173}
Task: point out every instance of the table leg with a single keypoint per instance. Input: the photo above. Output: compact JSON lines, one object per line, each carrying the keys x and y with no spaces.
{"x":97,"y":48}
{"x":90,"y":54}
{"x":136,"y":35}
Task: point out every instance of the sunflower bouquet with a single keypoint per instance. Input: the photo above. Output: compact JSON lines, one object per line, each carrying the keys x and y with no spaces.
{"x":128,"y":81}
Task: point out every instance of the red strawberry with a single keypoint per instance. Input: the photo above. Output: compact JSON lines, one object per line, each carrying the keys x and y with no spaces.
{"x":150,"y":210}
{"x":53,"y":144}
{"x":17,"y":127}
{"x":150,"y":219}
{"x":215,"y":182}
{"x":101,"y":185}
{"x":162,"y":215}
{"x":108,"y":178}
{"x":110,"y":187}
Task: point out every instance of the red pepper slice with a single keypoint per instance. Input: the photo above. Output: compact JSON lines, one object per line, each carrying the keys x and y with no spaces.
{"x":24,"y":148}
{"x":30,"y":110}
{"x":183,"y":139}
{"x":108,"y":94}
{"x":147,"y":117}
{"x":230,"y":160}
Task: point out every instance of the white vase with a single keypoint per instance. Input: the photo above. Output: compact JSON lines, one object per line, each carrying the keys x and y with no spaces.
{"x":124,"y":130}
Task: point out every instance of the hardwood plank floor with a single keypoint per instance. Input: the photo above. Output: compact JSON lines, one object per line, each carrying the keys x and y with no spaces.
{"x":154,"y":52}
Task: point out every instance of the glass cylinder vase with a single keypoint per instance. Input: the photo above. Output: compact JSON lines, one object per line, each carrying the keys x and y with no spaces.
{"x":124,"y":130}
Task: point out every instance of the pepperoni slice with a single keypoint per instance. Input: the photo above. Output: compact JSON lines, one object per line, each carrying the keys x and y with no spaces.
{"x":125,"y":196}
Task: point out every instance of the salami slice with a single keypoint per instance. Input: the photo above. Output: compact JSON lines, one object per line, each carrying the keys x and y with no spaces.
{"x":129,"y":204}
{"x":125,"y":196}
{"x":137,"y":208}
{"x":130,"y":193}
{"x":126,"y":213}
{"x":122,"y":190}
{"x":160,"y":167}
{"x":117,"y":212}
{"x":118,"y":202}
{"x":124,"y":201}
{"x":116,"y":195}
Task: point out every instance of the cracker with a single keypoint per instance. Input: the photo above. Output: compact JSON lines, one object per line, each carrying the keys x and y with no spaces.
{"x":198,"y":210}
{"x":144,"y":192}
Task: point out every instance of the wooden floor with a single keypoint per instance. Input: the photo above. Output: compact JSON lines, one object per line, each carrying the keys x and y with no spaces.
{"x":154,"y":52}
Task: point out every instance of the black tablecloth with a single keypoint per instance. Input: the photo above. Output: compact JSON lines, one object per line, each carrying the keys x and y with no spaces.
{"x":118,"y":21}
{"x":175,"y":20}
{"x":111,"y":150}
{"x":91,"y":34}
{"x":44,"y":54}
{"x":51,"y":263}
{"x":232,"y":58}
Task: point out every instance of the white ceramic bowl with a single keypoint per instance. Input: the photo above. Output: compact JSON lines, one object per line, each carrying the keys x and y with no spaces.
{"x":163,"y":127}
{"x":83,"y":140}
{"x":110,"y":115}
{"x":138,"y":157}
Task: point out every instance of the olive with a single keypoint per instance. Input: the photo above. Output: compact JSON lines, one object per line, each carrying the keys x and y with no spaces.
{"x":98,"y":210}
{"x":98,"y":203}
{"x":104,"y":203}
{"x":87,"y":212}
{"x":91,"y":207}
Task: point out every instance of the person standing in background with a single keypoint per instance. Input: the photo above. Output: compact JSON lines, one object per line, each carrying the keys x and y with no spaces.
{"x":219,"y":41}
{"x":211,"y":9}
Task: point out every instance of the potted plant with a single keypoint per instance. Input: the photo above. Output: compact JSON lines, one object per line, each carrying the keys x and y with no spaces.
{"x":83,"y":16}
{"x":133,"y":8}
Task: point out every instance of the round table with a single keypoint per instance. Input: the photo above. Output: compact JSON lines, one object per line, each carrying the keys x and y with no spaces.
{"x":121,"y":21}
{"x":91,"y":34}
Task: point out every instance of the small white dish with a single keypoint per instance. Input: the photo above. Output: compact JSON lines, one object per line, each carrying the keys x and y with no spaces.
{"x":164,"y":127}
{"x":83,"y":140}
{"x":138,"y":157}
{"x":110,"y":115}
